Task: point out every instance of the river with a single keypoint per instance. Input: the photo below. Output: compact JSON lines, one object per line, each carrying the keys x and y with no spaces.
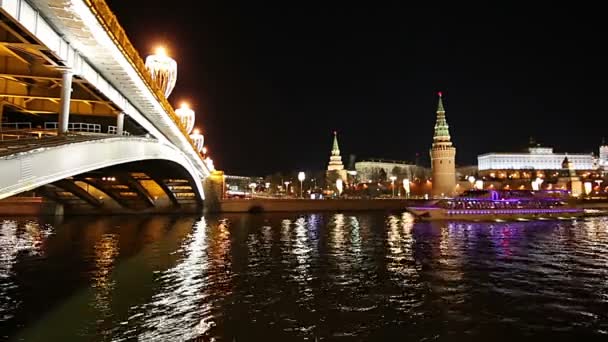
{"x":370,"y":276}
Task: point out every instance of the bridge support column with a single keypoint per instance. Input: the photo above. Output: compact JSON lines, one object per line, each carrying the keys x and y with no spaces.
{"x":120,"y":123}
{"x":214,"y":191}
{"x":66,"y":96}
{"x":1,"y":115}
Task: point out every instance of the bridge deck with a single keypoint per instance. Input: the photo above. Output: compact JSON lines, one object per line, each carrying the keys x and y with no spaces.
{"x":10,"y":147}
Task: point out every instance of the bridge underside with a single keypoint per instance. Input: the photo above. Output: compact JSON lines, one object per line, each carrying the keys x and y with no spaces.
{"x":138,"y":187}
{"x":30,"y":83}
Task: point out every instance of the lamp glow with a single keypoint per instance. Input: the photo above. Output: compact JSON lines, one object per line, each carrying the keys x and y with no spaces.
{"x":163,"y":70}
{"x":406,"y":186}
{"x":588,"y":187}
{"x":209,"y":163}
{"x":198,"y":140}
{"x":301,"y":178}
{"x":186,"y":117}
{"x":340,"y":186}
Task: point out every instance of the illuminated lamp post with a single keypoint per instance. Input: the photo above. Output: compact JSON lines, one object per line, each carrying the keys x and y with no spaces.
{"x":209,"y":162}
{"x":471,"y":180}
{"x":163,"y":70}
{"x":406,"y":187}
{"x":588,"y":188}
{"x":301,"y":178}
{"x":340,"y":186}
{"x":186,"y":117}
{"x":393,"y":179}
{"x":198,"y":140}
{"x":539,"y":181}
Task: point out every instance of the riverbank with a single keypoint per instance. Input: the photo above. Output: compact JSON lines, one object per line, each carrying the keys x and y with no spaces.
{"x":288,"y":205}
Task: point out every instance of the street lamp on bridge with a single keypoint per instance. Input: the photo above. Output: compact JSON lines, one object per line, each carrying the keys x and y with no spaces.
{"x":163,"y":70}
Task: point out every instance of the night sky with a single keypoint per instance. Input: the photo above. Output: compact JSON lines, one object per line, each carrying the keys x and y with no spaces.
{"x":271,"y":82}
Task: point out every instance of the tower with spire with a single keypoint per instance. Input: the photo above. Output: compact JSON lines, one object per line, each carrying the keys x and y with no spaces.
{"x":335,"y":169}
{"x":603,"y":157}
{"x":443,"y":156}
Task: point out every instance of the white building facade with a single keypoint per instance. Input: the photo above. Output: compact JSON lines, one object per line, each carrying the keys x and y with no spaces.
{"x":537,"y":158}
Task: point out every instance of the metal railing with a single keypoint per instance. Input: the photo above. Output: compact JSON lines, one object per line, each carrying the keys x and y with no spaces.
{"x":114,"y":130}
{"x":23,"y":145}
{"x":76,"y":127}
{"x":15,"y":125}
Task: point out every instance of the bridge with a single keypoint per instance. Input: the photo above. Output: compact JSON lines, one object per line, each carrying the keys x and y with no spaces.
{"x":83,"y":121}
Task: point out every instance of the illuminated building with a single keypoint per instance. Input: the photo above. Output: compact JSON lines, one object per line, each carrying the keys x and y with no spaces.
{"x":569,"y":179}
{"x":603,"y":160}
{"x":378,"y":170}
{"x":537,"y":158}
{"x":443,"y":156}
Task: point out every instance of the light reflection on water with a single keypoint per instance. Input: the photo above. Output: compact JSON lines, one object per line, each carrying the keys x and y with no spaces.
{"x":290,"y":277}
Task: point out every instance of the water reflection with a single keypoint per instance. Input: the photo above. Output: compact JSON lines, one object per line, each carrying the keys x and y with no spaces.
{"x":291,"y":277}
{"x":18,"y":239}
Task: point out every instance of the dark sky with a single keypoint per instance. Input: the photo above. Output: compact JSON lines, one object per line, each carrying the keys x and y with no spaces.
{"x":270,"y":82}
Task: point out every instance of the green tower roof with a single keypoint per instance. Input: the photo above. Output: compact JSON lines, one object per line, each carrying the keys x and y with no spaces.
{"x":442,"y":132}
{"x":335,"y":151}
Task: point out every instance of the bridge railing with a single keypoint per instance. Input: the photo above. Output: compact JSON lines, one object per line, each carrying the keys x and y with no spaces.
{"x":114,"y":130}
{"x":76,"y":127}
{"x":22,"y":145}
{"x":108,"y":20}
{"x":15,"y":125}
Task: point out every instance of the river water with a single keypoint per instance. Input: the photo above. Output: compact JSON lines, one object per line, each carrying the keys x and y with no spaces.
{"x":301,"y":276}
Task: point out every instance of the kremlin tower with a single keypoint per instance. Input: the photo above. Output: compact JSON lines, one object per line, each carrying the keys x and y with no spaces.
{"x":443,"y":156}
{"x":335,"y":169}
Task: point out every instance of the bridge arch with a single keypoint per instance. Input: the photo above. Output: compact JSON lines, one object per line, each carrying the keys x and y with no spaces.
{"x":30,"y":169}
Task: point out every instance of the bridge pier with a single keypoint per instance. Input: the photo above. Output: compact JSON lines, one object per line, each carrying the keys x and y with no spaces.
{"x":213,"y":186}
{"x":120,"y":123}
{"x":66,"y":94}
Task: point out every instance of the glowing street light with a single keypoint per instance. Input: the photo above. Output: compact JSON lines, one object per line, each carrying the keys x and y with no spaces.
{"x":186,"y":117}
{"x":209,"y":162}
{"x":287,"y":187}
{"x":301,"y":178}
{"x":539,"y":181}
{"x":163,"y":70}
{"x":393,"y":179}
{"x":471,"y":180}
{"x":198,"y":140}
{"x":340,"y":186}
{"x":406,"y":186}
{"x":588,"y":187}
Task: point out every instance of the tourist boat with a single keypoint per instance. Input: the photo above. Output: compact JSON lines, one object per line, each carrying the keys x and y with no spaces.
{"x":493,"y":205}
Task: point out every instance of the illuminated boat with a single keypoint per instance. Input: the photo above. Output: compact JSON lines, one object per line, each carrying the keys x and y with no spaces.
{"x":492,"y":205}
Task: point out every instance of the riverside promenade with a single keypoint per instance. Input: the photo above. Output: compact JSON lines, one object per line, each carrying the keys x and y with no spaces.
{"x":287,"y":205}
